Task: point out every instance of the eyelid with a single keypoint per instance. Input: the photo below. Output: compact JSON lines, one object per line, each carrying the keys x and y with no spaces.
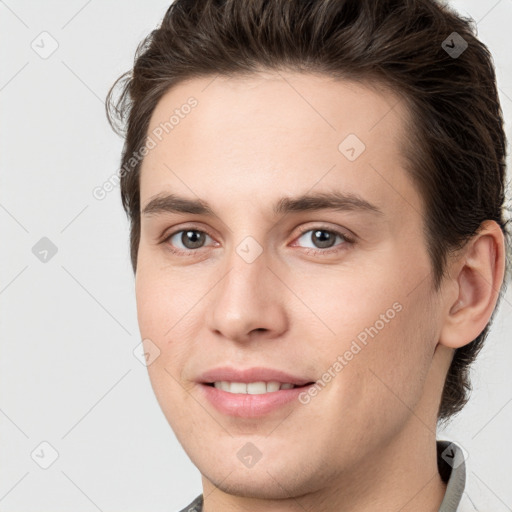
{"x":345,"y":233}
{"x":177,"y":229}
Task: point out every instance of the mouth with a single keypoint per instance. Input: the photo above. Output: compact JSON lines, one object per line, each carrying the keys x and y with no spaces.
{"x":252,"y":400}
{"x":254,"y":388}
{"x":253,"y":392}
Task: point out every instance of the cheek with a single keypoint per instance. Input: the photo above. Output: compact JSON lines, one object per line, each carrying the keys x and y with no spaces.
{"x":159,"y":314}
{"x":399,"y":359}
{"x":354,"y":307}
{"x":384,"y":334}
{"x":162,"y":301}
{"x":159,"y":311}
{"x":165,"y":312}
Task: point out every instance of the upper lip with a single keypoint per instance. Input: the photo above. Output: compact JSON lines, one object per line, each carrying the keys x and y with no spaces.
{"x":256,"y":374}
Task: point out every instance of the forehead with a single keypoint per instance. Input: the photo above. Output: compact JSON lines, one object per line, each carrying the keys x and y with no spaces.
{"x":254,"y":134}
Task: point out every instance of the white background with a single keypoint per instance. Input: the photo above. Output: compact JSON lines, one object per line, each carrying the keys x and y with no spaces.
{"x":68,"y":326}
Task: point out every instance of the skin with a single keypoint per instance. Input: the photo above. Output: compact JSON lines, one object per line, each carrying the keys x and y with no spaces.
{"x":367,"y":440}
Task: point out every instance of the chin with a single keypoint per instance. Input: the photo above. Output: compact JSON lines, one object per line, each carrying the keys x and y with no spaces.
{"x":260,"y":485}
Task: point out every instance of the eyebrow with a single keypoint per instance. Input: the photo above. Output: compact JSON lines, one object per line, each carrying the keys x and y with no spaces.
{"x":172,"y":203}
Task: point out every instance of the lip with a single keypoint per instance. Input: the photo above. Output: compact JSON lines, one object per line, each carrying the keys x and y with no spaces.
{"x":256,"y":374}
{"x":251,"y":406}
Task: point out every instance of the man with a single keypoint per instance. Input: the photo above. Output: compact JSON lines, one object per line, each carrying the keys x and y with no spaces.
{"x":315,"y":190}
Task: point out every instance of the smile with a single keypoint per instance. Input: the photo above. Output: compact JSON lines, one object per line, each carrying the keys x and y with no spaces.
{"x":252,"y":388}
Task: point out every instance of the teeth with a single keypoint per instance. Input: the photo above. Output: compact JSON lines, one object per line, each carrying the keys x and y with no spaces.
{"x":273,"y":386}
{"x":252,"y":388}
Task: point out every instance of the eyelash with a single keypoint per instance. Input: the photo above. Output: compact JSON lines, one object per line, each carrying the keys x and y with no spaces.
{"x":341,"y":247}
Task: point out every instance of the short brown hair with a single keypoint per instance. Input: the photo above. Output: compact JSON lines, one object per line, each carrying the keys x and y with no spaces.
{"x":456,"y":145}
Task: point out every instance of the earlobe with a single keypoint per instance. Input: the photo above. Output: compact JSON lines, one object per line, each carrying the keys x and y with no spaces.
{"x":478,"y":276}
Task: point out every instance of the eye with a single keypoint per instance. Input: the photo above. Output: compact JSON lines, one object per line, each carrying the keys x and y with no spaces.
{"x":324,"y":239}
{"x":186,"y":240}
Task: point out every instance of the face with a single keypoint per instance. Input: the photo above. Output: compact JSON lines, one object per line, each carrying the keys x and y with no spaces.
{"x":303,"y":262}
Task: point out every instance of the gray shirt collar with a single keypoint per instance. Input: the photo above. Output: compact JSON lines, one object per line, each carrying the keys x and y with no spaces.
{"x":452,"y":468}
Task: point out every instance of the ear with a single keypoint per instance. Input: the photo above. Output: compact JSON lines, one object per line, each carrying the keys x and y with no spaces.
{"x":476,"y":276}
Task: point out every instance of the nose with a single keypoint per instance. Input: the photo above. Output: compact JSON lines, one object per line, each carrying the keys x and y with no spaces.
{"x":248,"y":302}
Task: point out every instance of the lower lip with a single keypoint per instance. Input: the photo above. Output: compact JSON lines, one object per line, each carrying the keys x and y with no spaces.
{"x":251,"y":406}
